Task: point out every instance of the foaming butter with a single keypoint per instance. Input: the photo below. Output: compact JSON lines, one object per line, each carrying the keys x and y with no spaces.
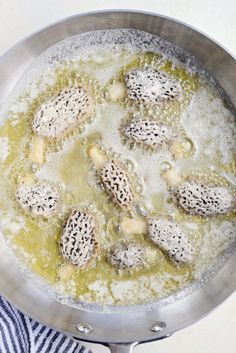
{"x":205,"y":127}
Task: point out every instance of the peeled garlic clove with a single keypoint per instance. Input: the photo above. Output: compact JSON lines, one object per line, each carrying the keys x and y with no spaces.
{"x":116,"y":90}
{"x":37,"y":150}
{"x":177,"y":150}
{"x":133,"y":226}
{"x":97,"y":157}
{"x":172,"y":177}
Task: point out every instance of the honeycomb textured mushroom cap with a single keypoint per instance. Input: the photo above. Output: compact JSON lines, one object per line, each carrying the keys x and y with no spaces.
{"x":40,"y":199}
{"x":62,"y":113}
{"x":171,"y":239}
{"x":148,"y":85}
{"x":149,"y":133}
{"x":199,"y":199}
{"x":117,"y":184}
{"x":78,"y":242}
{"x":126,"y":256}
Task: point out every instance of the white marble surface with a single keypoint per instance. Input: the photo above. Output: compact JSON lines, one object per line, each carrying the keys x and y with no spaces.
{"x":18,"y":18}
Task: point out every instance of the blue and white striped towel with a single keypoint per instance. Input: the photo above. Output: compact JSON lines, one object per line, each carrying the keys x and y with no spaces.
{"x":20,"y":334}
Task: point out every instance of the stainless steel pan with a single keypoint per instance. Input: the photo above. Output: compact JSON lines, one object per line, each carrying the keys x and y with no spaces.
{"x":121,"y":328}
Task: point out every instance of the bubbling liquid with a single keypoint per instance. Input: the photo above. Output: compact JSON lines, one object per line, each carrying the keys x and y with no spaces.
{"x":205,"y":127}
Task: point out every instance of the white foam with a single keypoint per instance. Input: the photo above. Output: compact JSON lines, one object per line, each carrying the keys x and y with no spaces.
{"x":219,"y":238}
{"x":211,"y":126}
{"x":12,"y":223}
{"x":4,"y":148}
{"x":81,"y":48}
{"x":140,"y":290}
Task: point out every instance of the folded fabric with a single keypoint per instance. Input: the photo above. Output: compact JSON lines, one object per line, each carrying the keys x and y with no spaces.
{"x":21,"y":334}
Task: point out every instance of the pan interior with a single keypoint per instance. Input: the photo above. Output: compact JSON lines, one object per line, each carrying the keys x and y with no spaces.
{"x":205,"y":120}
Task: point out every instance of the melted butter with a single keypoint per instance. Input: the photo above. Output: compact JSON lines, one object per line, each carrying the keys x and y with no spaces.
{"x":37,"y":242}
{"x":38,"y":246}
